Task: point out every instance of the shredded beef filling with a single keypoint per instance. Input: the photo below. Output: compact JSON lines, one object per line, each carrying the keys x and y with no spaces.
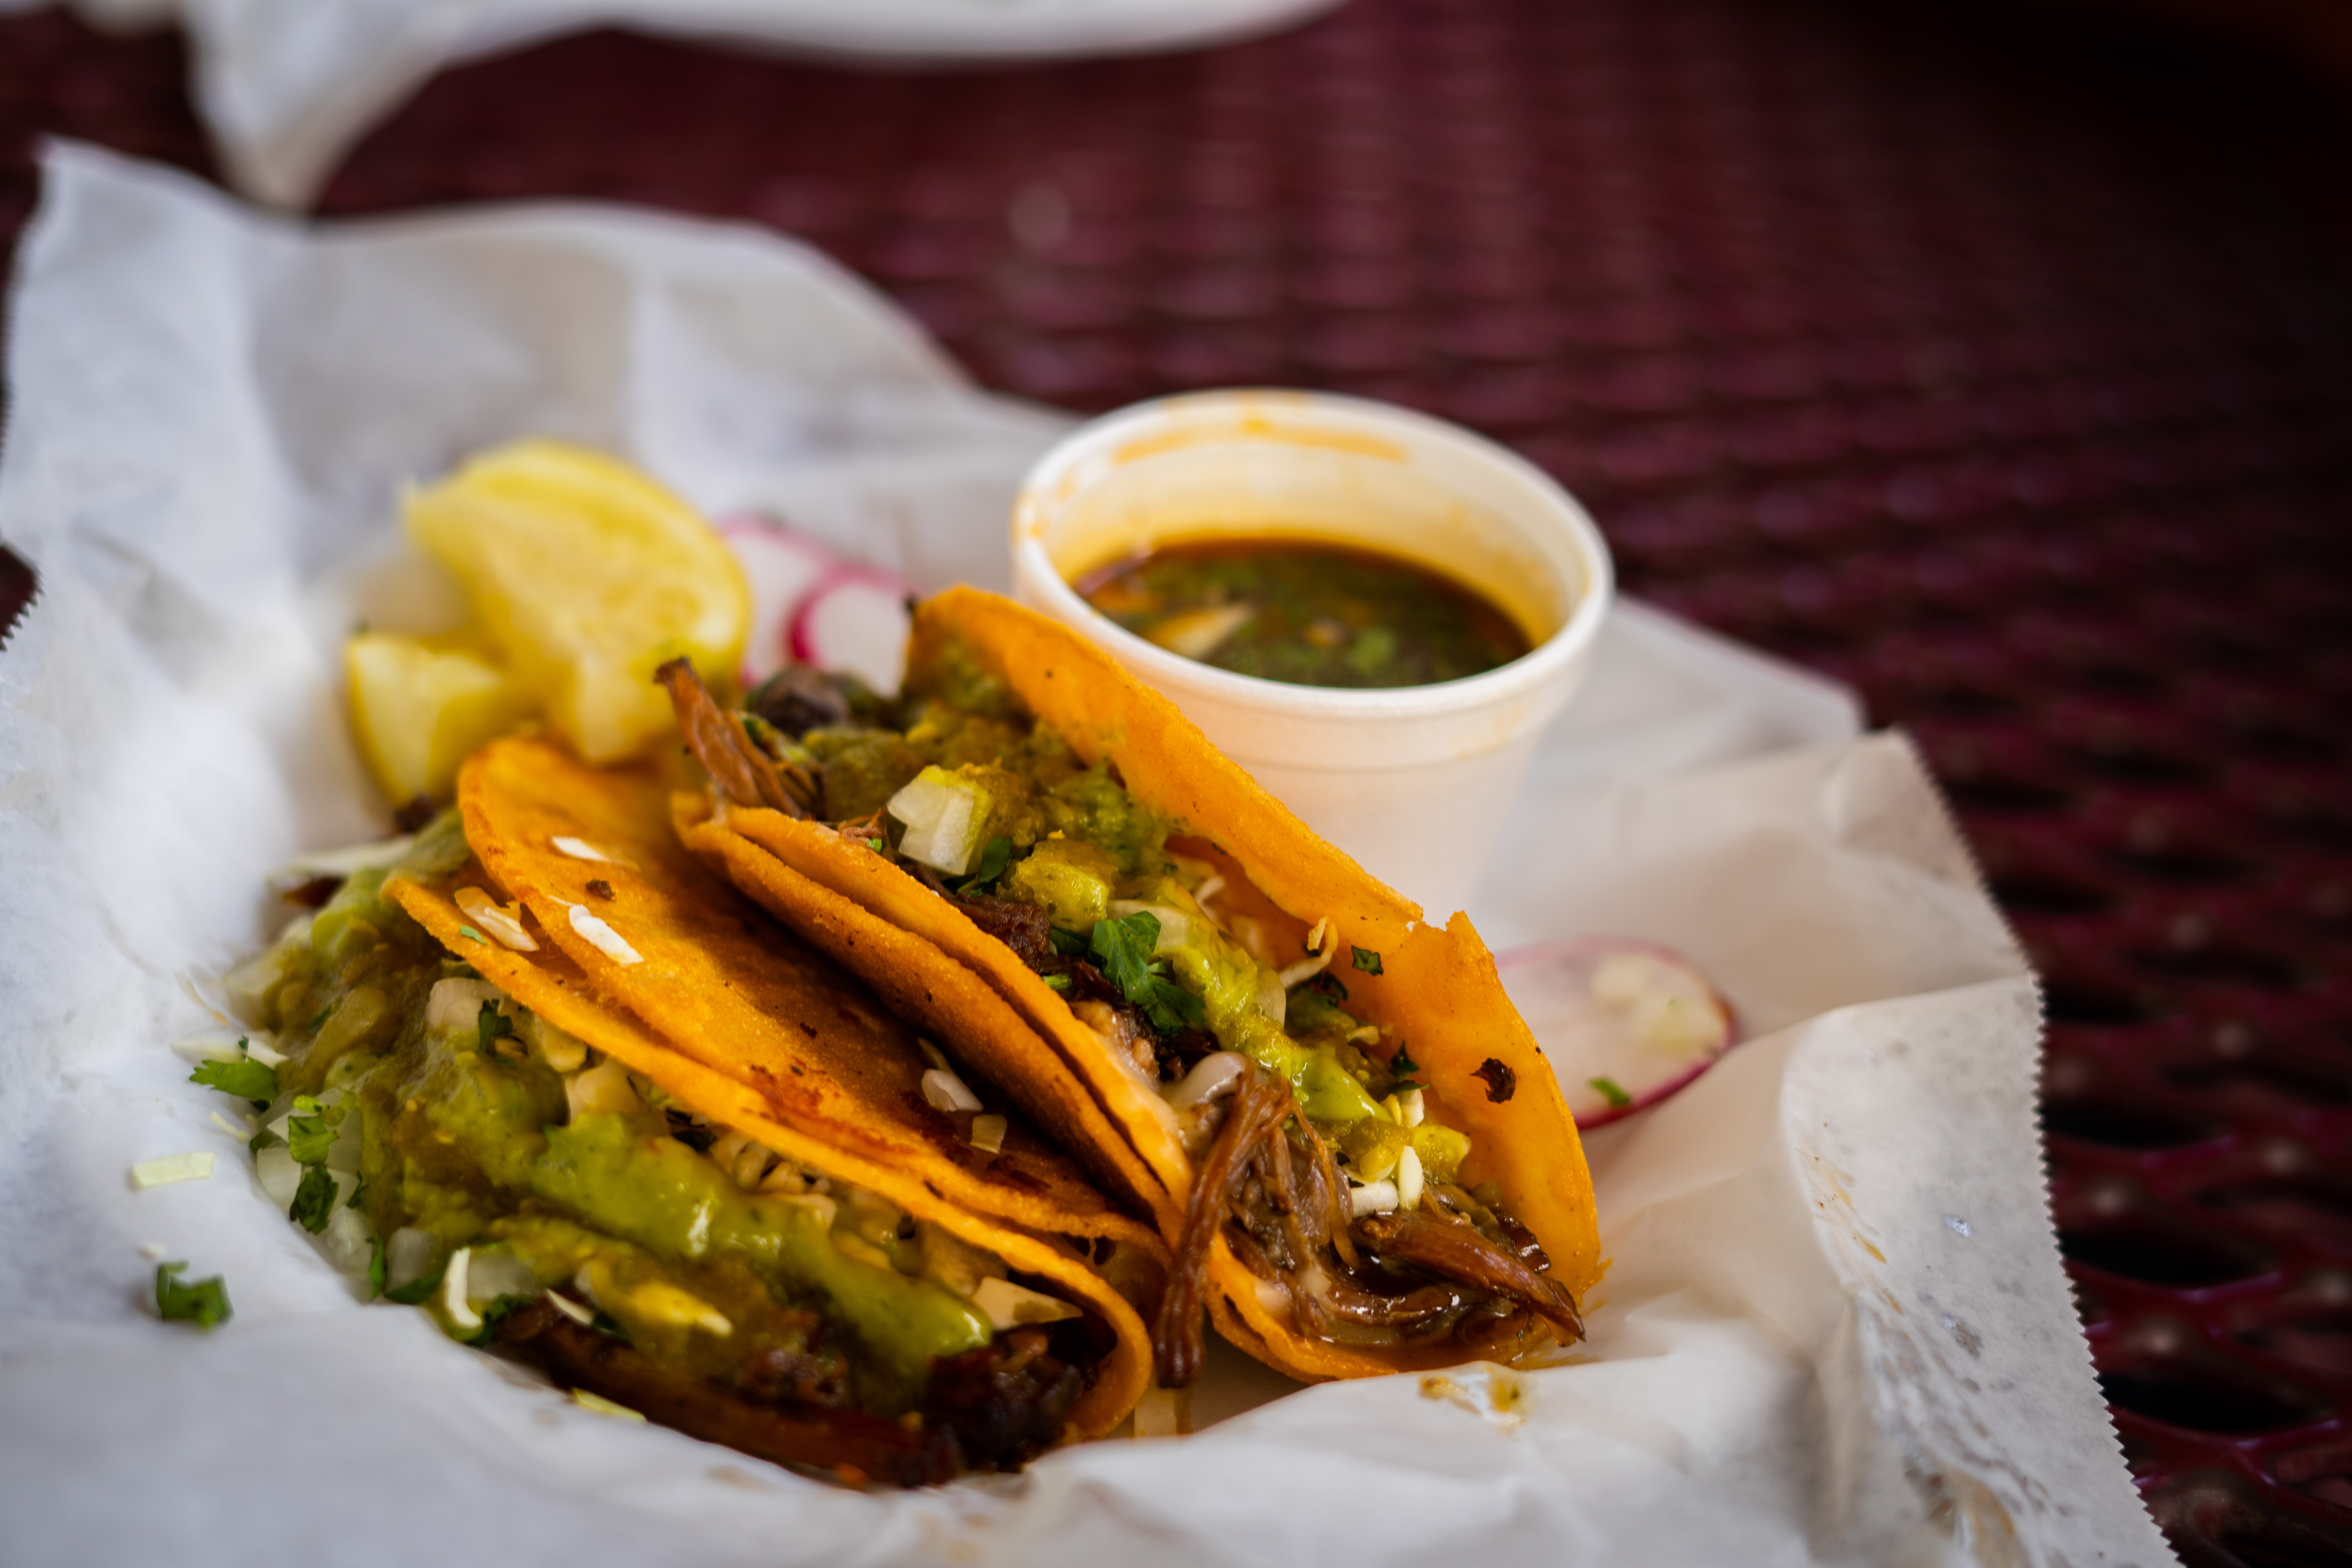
{"x":748,"y":775}
{"x":1270,"y":1187}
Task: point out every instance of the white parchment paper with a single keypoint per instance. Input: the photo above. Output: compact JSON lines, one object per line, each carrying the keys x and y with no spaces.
{"x":1835,"y":1329}
{"x":287,"y":87}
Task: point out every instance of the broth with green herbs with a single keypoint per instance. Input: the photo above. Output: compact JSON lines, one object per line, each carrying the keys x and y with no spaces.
{"x":1309,"y":613}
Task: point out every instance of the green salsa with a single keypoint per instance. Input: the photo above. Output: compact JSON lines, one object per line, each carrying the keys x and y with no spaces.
{"x":440,"y":1111}
{"x":1309,"y":614}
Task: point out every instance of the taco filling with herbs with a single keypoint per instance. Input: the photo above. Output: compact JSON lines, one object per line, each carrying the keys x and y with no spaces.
{"x":1327,"y":1105}
{"x":748,"y":1222}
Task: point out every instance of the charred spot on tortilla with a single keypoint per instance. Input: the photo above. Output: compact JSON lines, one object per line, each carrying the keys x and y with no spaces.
{"x":1501,"y":1082}
{"x":600,"y":887}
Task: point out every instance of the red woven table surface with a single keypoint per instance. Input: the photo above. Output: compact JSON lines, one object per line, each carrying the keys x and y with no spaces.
{"x":2002,"y":370}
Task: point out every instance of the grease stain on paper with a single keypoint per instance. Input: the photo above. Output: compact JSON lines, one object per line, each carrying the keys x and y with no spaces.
{"x":1493,"y":1394}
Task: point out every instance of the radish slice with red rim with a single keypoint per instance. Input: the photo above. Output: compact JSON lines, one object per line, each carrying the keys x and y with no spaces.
{"x":855,"y":620}
{"x":1623,"y":1022}
{"x":783,"y":566}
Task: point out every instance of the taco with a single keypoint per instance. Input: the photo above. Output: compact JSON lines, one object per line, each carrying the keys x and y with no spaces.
{"x":1326,"y":1105}
{"x":607,"y":1115}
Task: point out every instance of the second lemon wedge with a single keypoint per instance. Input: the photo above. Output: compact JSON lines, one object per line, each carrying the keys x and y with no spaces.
{"x":588,"y":575}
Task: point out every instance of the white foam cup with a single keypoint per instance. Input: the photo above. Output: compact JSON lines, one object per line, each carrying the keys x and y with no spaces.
{"x":1411,"y":780}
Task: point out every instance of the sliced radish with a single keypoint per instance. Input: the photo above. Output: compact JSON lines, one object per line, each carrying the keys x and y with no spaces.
{"x":783,"y":567}
{"x":1623,"y":1022}
{"x":855,"y":620}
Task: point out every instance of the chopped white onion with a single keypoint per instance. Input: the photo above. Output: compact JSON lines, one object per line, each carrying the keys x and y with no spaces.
{"x":1009,"y":1306}
{"x":490,"y":1275}
{"x":348,"y":1241}
{"x":580,"y":849}
{"x":503,"y":922}
{"x":562,"y":1051}
{"x":1164,"y":1413}
{"x":170,"y":1168}
{"x":602,"y":1088}
{"x":1273,"y":997}
{"x":603,"y":938}
{"x":944,"y":815}
{"x":1315,"y":938}
{"x":454,"y":1007}
{"x":220,"y":1046}
{"x":1211,"y":1076}
{"x":1305,"y":969}
{"x":988,"y":1134}
{"x":279,"y":1177}
{"x":820,"y":1208}
{"x":1211,"y":886}
{"x":1373,"y":1197}
{"x":1408,"y":1179}
{"x":453,"y":1291}
{"x":1410,"y":1109}
{"x":945,"y":1091}
{"x":407,"y":1254}
{"x":571,"y":1309}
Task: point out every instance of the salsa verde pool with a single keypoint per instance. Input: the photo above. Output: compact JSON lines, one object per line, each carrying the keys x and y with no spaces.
{"x":1307,"y":612}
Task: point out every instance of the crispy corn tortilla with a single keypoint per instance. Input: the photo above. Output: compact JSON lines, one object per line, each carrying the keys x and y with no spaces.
{"x":1437,"y":988}
{"x":735,"y":1017}
{"x":948,"y":1001}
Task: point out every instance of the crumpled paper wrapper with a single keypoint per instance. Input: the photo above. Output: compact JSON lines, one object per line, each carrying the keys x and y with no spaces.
{"x":1835,"y":1331}
{"x":288,"y":87}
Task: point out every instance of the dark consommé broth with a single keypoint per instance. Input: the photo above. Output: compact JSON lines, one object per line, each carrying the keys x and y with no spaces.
{"x":1310,"y":614}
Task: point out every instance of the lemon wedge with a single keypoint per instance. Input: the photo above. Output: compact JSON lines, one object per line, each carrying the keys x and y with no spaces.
{"x":588,"y":575}
{"x":419,"y":705}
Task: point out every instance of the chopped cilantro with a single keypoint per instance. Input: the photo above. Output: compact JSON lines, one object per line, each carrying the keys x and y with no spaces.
{"x":1616,"y":1097}
{"x":265,"y":1138}
{"x":1326,"y":985}
{"x":375,"y":1269}
{"x":247,"y":1078}
{"x":419,"y":1288}
{"x":1402,"y":1066}
{"x":1123,"y":947}
{"x":1170,"y":1007}
{"x":1070,"y":943}
{"x":470,"y":932}
{"x":993,"y":857}
{"x":490,"y":1026}
{"x":877,"y":845}
{"x":204,"y":1302}
{"x":314,"y":1200}
{"x":1367,"y":960}
{"x":312,"y":1130}
{"x":1056,"y":981}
